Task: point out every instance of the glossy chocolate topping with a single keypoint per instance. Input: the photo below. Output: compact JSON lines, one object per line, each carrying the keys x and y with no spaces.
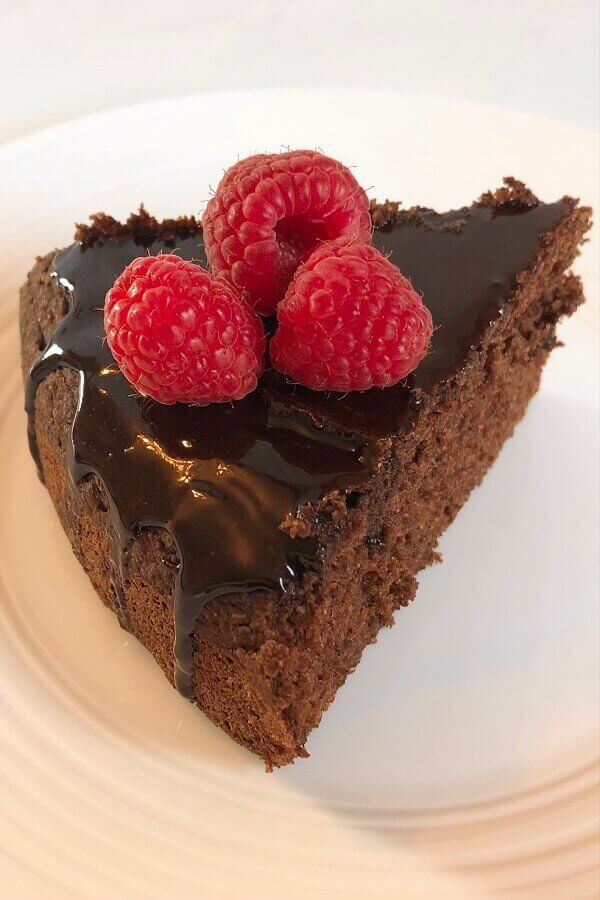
{"x":222,"y":479}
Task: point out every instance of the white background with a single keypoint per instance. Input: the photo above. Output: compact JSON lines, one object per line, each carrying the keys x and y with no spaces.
{"x":60,"y":59}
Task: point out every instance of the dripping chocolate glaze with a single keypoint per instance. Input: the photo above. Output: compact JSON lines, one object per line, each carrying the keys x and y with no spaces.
{"x":222,"y":479}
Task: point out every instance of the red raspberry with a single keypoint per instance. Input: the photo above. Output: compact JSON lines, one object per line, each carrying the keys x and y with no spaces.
{"x":270,"y":212}
{"x":350,"y":321}
{"x":180,"y":335}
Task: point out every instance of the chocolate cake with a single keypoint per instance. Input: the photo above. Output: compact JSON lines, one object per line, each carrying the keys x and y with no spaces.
{"x":256,"y":548}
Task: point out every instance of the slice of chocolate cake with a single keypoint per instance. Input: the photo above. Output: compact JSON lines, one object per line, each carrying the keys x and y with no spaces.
{"x":256,"y":548}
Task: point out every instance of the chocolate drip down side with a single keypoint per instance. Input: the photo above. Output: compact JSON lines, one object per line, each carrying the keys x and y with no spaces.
{"x":223,"y":480}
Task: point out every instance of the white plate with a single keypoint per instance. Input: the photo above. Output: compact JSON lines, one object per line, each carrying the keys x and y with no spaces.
{"x":461,"y":758}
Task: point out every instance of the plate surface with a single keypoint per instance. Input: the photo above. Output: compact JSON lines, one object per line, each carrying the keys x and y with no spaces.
{"x":461,"y":759}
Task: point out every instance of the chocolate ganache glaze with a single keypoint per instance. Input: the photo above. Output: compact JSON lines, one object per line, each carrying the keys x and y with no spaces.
{"x":222,"y":479}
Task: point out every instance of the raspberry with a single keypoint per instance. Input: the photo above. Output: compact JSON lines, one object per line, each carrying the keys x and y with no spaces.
{"x":180,"y":335}
{"x":271,"y":211}
{"x":350,"y":321}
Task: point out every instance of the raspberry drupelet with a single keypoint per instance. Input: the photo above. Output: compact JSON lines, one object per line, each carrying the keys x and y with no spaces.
{"x":180,"y":335}
{"x":350,"y":321}
{"x":269,"y":213}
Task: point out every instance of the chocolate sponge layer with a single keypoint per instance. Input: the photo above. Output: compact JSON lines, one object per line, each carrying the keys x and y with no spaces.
{"x":266,"y":667}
